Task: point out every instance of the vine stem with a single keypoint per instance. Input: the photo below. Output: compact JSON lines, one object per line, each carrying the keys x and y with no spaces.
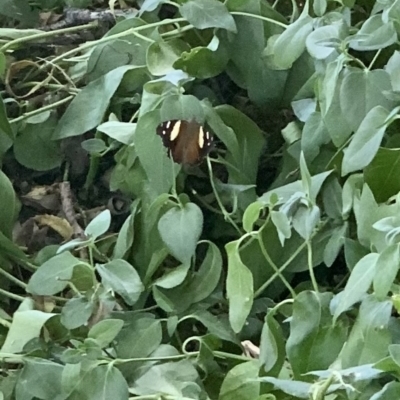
{"x":266,"y":19}
{"x":41,"y":110}
{"x":43,"y":35}
{"x":287,"y":263}
{"x":310,"y":266}
{"x":106,"y":39}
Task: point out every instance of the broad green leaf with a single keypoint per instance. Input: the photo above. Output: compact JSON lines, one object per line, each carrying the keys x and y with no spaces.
{"x":297,"y":389}
{"x":34,"y":149}
{"x":80,"y":115}
{"x":26,"y":325}
{"x":4,"y":124}
{"x":148,"y":146}
{"x":272,"y":346}
{"x":94,"y":146}
{"x":185,"y":107}
{"x":203,"y":14}
{"x":357,"y":286}
{"x":304,"y":327}
{"x":361,"y":92}
{"x":76,"y":312}
{"x":126,"y":234}
{"x":370,"y":336}
{"x":319,"y":7}
{"x":180,"y":229}
{"x":285,"y":192}
{"x":381,"y":174}
{"x":150,"y":5}
{"x":251,"y":215}
{"x":98,"y":225}
{"x":388,"y":392}
{"x":215,"y":324}
{"x":387,"y":267}
{"x":393,"y":69}
{"x":161,"y":56}
{"x":139,"y":338}
{"x":241,"y":382}
{"x":335,"y":244}
{"x":41,"y":378}
{"x":290,"y":44}
{"x":314,"y":135}
{"x":374,"y":35}
{"x":123,"y":132}
{"x":305,"y":220}
{"x":203,"y":62}
{"x":322,"y":41}
{"x":239,"y":288}
{"x":173,"y":278}
{"x":282,"y":224}
{"x":366,"y":141}
{"x":205,"y":280}
{"x":121,"y":277}
{"x":52,"y":277}
{"x":9,"y":206}
{"x":105,"y":331}
{"x":105,"y":382}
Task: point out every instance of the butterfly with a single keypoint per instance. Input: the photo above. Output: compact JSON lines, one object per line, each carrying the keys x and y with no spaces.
{"x":188,"y":142}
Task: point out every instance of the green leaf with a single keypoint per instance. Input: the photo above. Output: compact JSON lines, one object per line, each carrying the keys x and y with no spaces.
{"x":149,"y":147}
{"x":94,"y":146}
{"x":9,"y":206}
{"x":121,"y":277}
{"x":76,"y":312}
{"x":357,"y":286}
{"x":382,"y":173}
{"x":285,"y":192}
{"x":370,"y":336}
{"x":366,"y":141}
{"x":162,"y":55}
{"x":374,"y":35}
{"x":206,"y":279}
{"x":272,"y":346}
{"x":251,"y":215}
{"x":203,"y":62}
{"x":150,"y":5}
{"x":26,"y":325}
{"x":393,"y":69}
{"x":290,"y":44}
{"x":80,"y":115}
{"x":322,"y":41}
{"x":388,"y":392}
{"x":203,"y":14}
{"x":173,"y":278}
{"x":123,"y":132}
{"x":241,"y":382}
{"x":319,"y":7}
{"x":314,"y":135}
{"x":293,"y":388}
{"x":362,"y":91}
{"x":41,"y":379}
{"x":139,"y":338}
{"x":180,"y":229}
{"x":4,"y":124}
{"x":239,"y":288}
{"x":52,"y":277}
{"x":34,"y":149}
{"x":98,"y":225}
{"x":105,"y":331}
{"x":105,"y":382}
{"x":386,"y":271}
{"x":126,"y":234}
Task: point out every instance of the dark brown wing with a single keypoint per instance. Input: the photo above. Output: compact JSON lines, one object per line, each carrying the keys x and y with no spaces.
{"x":187,"y":142}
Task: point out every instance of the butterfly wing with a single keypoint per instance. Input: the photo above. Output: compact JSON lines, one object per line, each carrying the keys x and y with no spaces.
{"x":187,"y":142}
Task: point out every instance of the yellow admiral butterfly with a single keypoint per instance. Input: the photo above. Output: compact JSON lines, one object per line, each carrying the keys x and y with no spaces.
{"x":187,"y":142}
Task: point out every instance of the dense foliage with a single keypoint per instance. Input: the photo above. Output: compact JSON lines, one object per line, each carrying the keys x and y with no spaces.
{"x":269,"y":271}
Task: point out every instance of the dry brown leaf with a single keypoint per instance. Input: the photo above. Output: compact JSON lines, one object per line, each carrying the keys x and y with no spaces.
{"x":58,"y":224}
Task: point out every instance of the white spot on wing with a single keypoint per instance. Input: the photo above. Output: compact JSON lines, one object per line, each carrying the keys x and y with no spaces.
{"x":201,"y":137}
{"x":175,"y":131}
{"x":167,"y":125}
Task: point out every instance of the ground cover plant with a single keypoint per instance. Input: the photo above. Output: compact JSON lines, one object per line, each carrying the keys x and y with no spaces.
{"x":269,"y":270}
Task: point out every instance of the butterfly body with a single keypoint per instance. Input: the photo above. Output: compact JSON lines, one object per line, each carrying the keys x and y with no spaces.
{"x":188,"y":142}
